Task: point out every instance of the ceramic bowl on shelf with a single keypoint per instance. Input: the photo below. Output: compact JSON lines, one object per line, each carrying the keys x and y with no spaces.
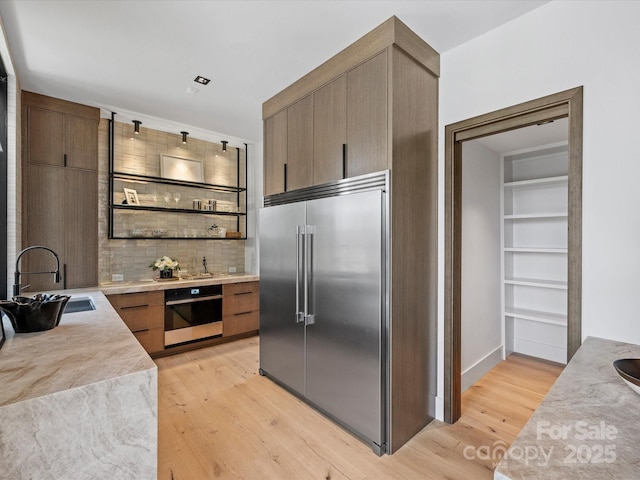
{"x":138,"y":232}
{"x":158,"y":232}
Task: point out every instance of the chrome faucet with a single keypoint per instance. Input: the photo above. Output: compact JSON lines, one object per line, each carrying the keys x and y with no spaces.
{"x":56,"y":273}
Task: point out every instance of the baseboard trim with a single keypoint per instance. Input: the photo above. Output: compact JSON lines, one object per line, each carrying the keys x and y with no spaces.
{"x":476,"y":371}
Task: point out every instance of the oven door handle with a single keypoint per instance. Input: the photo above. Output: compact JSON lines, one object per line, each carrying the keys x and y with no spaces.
{"x":193,"y":300}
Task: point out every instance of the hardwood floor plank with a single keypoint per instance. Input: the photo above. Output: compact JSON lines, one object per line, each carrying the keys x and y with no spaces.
{"x":219,"y":419}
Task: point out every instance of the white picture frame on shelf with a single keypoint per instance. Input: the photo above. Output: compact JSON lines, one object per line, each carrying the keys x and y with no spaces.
{"x":178,"y":168}
{"x":131,"y":196}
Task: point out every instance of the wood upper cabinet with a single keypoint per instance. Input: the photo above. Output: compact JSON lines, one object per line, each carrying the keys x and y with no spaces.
{"x":275,"y":153}
{"x":337,"y":131}
{"x":60,"y":190}
{"x":300,"y":144}
{"x":367,"y":121}
{"x":329,"y":130}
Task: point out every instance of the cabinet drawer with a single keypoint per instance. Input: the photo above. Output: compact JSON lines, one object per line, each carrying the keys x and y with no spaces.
{"x":151,"y":340}
{"x":126,"y":300}
{"x":240,"y":298}
{"x":235,"y":324}
{"x":144,"y":317}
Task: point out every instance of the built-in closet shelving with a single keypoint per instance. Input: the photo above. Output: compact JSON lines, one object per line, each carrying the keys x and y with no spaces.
{"x":534,"y":243}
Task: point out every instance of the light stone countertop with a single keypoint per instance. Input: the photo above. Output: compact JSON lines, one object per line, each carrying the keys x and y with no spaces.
{"x":112,"y":288}
{"x":588,"y":425}
{"x":78,"y":401}
{"x":85,"y":348}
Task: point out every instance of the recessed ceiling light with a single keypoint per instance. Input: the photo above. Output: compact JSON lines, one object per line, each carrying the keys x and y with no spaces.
{"x":201,"y":80}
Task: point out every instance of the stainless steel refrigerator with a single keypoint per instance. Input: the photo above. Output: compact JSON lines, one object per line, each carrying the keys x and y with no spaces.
{"x":324,"y":300}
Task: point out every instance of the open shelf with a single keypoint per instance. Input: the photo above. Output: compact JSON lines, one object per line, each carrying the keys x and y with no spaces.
{"x":534,"y":282}
{"x":538,"y":182}
{"x":535,"y":250}
{"x":535,"y":216}
{"x":131,"y":177}
{"x":537,"y":316}
{"x":175,"y":210}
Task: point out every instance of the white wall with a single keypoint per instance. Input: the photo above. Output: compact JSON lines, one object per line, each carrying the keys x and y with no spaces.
{"x":481,"y":310}
{"x":254,"y":204}
{"x":561,"y":45}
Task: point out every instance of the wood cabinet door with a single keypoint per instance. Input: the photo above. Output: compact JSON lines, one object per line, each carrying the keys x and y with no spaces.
{"x":300,"y":144}
{"x":367,"y":124}
{"x":329,"y":130}
{"x":81,"y":142}
{"x":46,"y":214}
{"x":44,"y":136}
{"x":275,"y":152}
{"x":81,"y":228}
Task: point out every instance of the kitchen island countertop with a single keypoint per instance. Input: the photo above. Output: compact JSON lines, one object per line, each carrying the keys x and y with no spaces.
{"x":587,"y":425}
{"x":78,"y":401}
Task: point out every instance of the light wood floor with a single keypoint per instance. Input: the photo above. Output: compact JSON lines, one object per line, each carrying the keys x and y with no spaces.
{"x":219,"y":419}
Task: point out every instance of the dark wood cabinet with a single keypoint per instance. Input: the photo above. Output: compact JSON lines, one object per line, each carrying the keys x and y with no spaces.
{"x":60,"y":190}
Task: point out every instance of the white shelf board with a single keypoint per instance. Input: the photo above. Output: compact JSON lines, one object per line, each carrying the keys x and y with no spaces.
{"x":535,"y":250}
{"x":535,"y":282}
{"x":537,"y":181}
{"x":537,"y":316}
{"x":533,"y":216}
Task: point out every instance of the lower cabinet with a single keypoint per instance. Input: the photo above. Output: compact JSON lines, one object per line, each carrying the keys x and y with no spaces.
{"x":143,"y":313}
{"x":240,"y":308}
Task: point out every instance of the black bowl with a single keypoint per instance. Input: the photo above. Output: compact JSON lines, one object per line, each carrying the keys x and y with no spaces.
{"x":629,"y":370}
{"x":36,"y":314}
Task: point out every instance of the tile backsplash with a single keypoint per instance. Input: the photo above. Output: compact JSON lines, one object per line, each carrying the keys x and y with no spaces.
{"x":140,"y":154}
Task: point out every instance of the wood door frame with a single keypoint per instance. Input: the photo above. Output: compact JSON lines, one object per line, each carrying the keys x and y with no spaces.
{"x":563,"y":104}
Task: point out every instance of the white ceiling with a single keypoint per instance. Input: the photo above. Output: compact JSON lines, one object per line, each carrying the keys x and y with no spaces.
{"x":528,"y":137}
{"x":138,"y":57}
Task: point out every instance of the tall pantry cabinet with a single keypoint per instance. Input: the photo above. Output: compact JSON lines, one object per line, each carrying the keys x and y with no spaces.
{"x":60,"y":190}
{"x":373,"y":107}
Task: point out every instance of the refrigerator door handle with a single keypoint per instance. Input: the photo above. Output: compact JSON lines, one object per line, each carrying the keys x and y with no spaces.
{"x":309,"y":309}
{"x":300,"y":313}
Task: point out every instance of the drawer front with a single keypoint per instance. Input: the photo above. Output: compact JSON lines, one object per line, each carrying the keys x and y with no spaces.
{"x":151,"y":340}
{"x":136,"y":299}
{"x":238,"y":323}
{"x":240,"y":298}
{"x":145,"y":317}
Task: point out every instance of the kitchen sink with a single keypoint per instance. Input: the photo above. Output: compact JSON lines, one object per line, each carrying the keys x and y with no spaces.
{"x":79,"y":304}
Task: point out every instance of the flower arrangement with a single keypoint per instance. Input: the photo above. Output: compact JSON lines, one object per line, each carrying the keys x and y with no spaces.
{"x":165,"y":264}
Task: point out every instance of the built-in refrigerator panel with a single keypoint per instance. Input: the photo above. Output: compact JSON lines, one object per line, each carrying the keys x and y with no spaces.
{"x":324,"y":300}
{"x":281,"y":336}
{"x":344,"y":337}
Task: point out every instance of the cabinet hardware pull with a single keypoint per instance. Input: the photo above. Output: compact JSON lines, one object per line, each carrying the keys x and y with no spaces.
{"x":64,"y":276}
{"x":285,"y":177}
{"x":243,"y":293}
{"x":65,"y":159}
{"x":134,"y":306}
{"x":242,"y":313}
{"x":193,"y":300}
{"x":140,"y":331}
{"x":344,"y":160}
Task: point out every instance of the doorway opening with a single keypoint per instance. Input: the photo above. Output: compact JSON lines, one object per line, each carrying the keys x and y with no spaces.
{"x":564,"y":105}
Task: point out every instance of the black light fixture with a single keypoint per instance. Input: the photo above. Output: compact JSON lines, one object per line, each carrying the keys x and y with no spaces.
{"x":136,"y":126}
{"x":184,"y":136}
{"x":224,"y":145}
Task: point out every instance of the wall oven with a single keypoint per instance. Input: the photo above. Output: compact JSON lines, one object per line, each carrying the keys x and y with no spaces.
{"x":192,"y":313}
